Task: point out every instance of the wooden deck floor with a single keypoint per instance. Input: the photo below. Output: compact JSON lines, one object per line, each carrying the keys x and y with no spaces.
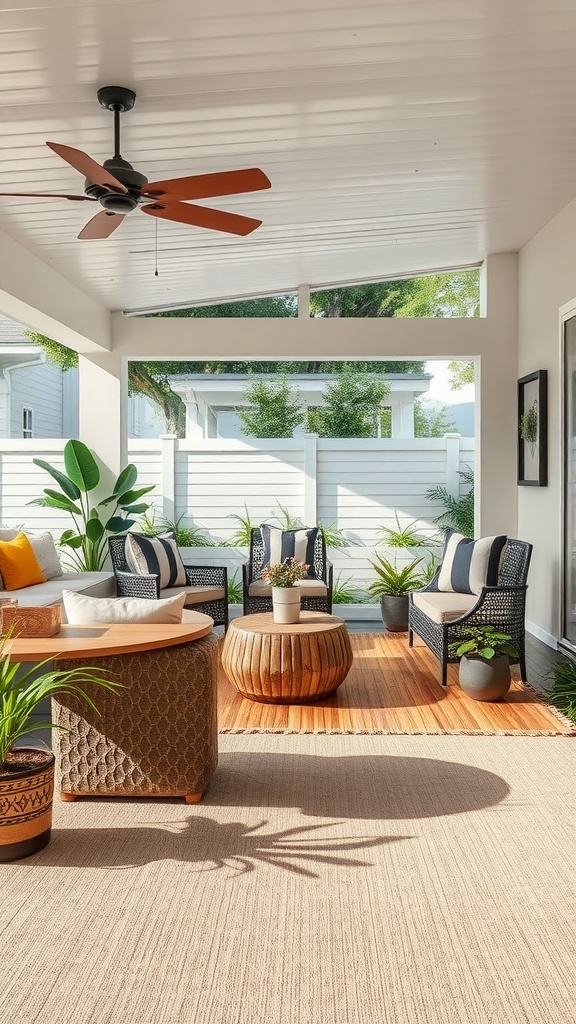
{"x":393,"y":689}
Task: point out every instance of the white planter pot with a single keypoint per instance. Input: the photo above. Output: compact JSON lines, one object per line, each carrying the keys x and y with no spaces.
{"x":286,"y":604}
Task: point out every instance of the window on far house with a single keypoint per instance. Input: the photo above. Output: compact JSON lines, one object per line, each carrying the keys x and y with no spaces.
{"x":27,"y":421}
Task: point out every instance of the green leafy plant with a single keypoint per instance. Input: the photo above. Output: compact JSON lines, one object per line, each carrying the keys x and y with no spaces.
{"x":403,"y":537}
{"x":235,"y":592}
{"x":483,"y":642}
{"x":458,"y":511}
{"x":393,"y":580}
{"x":186,"y":536}
{"x":333,"y":537}
{"x":562,"y":689}
{"x":244,"y":532}
{"x":286,"y":520}
{"x":345,"y":592}
{"x":22,"y":691}
{"x":528,"y":426}
{"x":286,"y":573}
{"x":94,"y":520}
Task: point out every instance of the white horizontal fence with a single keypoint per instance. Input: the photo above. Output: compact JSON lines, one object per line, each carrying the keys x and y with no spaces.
{"x":354,"y":485}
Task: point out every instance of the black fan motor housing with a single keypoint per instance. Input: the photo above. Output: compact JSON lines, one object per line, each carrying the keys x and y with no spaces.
{"x":118,"y":202}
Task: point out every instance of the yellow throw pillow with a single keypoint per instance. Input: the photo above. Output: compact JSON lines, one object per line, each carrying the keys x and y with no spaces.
{"x":18,"y":563}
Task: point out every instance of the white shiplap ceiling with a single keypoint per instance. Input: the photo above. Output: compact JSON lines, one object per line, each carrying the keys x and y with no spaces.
{"x":398,"y":137}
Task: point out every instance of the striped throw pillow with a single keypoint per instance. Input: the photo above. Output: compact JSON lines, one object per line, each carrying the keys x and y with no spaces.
{"x":281,"y":544}
{"x":158,"y":556}
{"x":468,"y":565}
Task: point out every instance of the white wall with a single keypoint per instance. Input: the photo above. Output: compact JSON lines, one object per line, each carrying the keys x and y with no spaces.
{"x":547,"y":281}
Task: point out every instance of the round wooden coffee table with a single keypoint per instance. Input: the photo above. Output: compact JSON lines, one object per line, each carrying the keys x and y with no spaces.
{"x":276,"y":663}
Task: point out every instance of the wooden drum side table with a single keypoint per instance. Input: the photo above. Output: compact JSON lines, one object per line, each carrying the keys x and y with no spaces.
{"x":159,"y":735}
{"x":275,"y":663}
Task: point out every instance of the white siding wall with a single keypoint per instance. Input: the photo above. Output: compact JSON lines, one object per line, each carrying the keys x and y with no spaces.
{"x":38,"y":388}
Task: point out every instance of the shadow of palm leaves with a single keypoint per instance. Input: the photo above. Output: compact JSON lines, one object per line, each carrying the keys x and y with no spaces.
{"x":294,"y":849}
{"x":211,"y":845}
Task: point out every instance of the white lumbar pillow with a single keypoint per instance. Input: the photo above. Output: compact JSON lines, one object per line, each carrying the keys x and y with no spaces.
{"x":81,"y":610}
{"x":44,"y":548}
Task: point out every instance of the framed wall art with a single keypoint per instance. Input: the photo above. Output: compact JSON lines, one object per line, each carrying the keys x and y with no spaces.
{"x":533,"y":429}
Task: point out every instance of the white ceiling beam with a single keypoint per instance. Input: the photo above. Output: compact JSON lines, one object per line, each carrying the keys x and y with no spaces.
{"x":41,"y":299}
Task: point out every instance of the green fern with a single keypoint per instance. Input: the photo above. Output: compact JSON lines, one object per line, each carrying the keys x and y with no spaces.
{"x":391,"y":580}
{"x":562,"y":692}
{"x":458,"y":512}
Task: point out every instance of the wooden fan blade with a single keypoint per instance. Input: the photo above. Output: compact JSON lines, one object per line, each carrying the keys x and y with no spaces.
{"x":87,"y":166}
{"x":50,"y":195}
{"x":203,"y":186}
{"x":102,"y":225}
{"x":203,"y":217}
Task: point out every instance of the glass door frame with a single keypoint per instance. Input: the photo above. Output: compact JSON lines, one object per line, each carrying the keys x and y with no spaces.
{"x":567,"y":312}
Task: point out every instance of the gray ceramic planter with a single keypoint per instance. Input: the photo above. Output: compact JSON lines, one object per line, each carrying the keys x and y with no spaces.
{"x":485,"y":680}
{"x":394,"y":610}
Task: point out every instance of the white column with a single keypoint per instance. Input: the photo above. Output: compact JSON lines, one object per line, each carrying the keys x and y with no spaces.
{"x":304,"y":300}
{"x":102,"y":395}
{"x":168,"y":442}
{"x":310,"y":479}
{"x":452,"y":464}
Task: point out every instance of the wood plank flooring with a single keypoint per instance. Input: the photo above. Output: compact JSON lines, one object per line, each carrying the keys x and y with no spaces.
{"x":393,"y":689}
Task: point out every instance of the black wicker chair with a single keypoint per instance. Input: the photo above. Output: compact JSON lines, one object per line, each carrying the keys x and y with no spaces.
{"x":208,"y":577}
{"x":320,"y":600}
{"x":502,"y":606}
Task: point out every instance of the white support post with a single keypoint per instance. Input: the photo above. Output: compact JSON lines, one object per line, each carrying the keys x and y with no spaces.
{"x":304,"y":300}
{"x":452,"y":464}
{"x":168,"y":475}
{"x":310,"y":479}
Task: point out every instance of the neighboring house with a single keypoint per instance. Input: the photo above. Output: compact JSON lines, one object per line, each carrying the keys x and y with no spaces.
{"x":36,"y":398}
{"x":212,"y":398}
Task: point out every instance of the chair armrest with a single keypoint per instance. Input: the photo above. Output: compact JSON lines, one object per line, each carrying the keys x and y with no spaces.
{"x":489,"y":595}
{"x":207,"y":576}
{"x":329,"y":571}
{"x":132,"y":584}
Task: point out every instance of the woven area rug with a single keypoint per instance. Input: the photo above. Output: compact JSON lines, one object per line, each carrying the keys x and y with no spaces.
{"x":323,"y":880}
{"x":392,"y":688}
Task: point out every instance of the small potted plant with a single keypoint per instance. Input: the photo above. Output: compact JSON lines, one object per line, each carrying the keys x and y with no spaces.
{"x":283,"y":577}
{"x":27,"y":773}
{"x":484,"y":654}
{"x":393,"y":586}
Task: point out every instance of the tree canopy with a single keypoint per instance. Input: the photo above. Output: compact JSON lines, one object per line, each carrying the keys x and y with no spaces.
{"x":273,"y":410}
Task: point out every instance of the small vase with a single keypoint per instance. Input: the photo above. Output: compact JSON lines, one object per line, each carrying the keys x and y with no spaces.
{"x":286,"y":604}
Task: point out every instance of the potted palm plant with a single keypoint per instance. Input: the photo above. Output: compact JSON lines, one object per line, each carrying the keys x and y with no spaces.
{"x":283,"y":577}
{"x":27,"y":773}
{"x":484,"y":653}
{"x":393,"y":586}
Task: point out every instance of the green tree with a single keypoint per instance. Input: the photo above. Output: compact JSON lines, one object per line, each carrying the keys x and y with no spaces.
{"x":462,"y":372}
{"x":274,"y":409}
{"x":377,"y":299}
{"x":431,"y":422}
{"x":351,"y":406}
{"x":270,"y":306}
{"x":455,"y":294}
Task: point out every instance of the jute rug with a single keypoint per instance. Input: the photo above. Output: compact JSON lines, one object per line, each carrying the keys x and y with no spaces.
{"x":392,"y":688}
{"x":323,"y":880}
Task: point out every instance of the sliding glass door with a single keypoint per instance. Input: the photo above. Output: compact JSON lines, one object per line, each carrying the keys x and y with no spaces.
{"x":569,"y":546}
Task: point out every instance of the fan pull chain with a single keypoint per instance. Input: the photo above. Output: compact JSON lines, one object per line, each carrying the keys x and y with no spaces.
{"x":155,"y":247}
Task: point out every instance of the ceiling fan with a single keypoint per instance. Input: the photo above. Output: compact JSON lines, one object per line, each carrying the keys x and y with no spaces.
{"x":120,"y":189}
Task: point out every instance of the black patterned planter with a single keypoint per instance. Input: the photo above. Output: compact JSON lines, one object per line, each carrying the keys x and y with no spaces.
{"x":26,"y":804}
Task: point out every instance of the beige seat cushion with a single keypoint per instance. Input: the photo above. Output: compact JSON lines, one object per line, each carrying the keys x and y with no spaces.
{"x":309,"y":588}
{"x":444,"y":607}
{"x":195,"y":595}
